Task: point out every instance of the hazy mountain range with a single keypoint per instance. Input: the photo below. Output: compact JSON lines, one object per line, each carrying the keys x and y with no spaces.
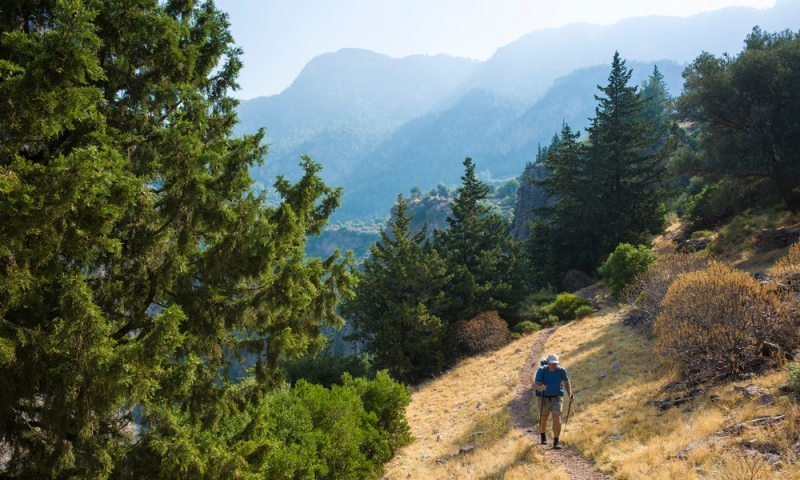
{"x":380,"y":125}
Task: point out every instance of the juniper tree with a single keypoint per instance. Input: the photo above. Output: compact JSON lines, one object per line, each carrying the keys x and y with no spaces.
{"x":137,"y":263}
{"x":398,"y":301}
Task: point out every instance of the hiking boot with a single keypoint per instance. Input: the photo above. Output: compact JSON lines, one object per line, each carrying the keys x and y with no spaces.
{"x":556,"y":445}
{"x":544,"y":439}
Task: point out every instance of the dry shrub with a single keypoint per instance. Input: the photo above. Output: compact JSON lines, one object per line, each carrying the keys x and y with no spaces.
{"x":484,"y":333}
{"x":787,"y":269}
{"x":650,"y":288}
{"x":719,"y":322}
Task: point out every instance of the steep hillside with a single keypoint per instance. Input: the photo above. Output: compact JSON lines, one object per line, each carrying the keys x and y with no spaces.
{"x":632,"y":416}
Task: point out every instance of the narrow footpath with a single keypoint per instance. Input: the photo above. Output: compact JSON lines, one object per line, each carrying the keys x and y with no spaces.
{"x":578,"y":467}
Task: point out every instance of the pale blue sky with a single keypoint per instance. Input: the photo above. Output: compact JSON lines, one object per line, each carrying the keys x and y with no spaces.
{"x":280,"y":36}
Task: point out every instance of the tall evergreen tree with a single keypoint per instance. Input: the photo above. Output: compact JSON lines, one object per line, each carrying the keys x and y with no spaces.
{"x":398,"y":299}
{"x":485,"y":263}
{"x":137,"y":265}
{"x":627,"y":171}
{"x":571,"y":229}
{"x":657,"y":106}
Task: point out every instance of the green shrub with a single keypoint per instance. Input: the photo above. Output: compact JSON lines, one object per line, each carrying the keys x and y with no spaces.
{"x":542,"y":297}
{"x":526,"y":327}
{"x":565,"y":306}
{"x":548,"y":321}
{"x":584,"y":311}
{"x":624,"y":265}
{"x":484,"y":333}
{"x":388,"y":400}
{"x":514,"y":336}
{"x":794,"y":379}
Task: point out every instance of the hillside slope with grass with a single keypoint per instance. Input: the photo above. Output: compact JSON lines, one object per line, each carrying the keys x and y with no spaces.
{"x":635,"y":415}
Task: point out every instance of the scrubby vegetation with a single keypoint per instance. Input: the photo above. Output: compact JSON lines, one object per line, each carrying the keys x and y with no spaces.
{"x":719,"y":322}
{"x":624,"y":264}
{"x":646,"y":293}
{"x":484,"y":333}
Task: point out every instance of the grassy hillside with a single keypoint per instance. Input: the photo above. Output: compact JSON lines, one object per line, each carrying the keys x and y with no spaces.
{"x":632,"y":416}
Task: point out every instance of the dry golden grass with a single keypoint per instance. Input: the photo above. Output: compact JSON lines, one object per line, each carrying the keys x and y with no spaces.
{"x":449,"y":412}
{"x":615,"y":374}
{"x":612,"y":423}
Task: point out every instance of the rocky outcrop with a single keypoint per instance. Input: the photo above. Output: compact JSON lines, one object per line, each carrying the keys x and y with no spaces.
{"x":529,"y":197}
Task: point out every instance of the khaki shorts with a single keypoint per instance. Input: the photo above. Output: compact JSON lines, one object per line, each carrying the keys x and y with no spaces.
{"x":551,"y":404}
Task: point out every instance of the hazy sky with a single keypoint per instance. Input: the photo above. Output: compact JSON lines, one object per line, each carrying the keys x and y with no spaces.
{"x":280,"y":36}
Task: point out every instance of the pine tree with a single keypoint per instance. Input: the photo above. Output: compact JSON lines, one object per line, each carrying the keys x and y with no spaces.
{"x":571,"y":229}
{"x":484,"y":261}
{"x":395,"y":310}
{"x":657,"y":106}
{"x":137,"y":264}
{"x":626,"y":169}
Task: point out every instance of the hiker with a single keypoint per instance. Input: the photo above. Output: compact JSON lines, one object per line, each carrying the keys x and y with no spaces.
{"x":548,"y":381}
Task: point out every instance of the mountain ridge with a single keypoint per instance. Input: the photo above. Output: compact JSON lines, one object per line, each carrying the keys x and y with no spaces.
{"x":376,"y":123}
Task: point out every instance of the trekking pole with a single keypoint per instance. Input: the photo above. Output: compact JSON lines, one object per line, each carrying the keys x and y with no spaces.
{"x":541,"y":407}
{"x":569,"y":409}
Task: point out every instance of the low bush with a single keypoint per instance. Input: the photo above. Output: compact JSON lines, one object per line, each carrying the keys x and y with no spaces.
{"x":548,"y":320}
{"x":526,"y":327}
{"x":719,"y":322}
{"x":565,"y":306}
{"x":719,"y":202}
{"x":624,"y":264}
{"x":484,"y":333}
{"x":583,"y":312}
{"x":793,"y":386}
{"x":787,"y":269}
{"x":648,"y":290}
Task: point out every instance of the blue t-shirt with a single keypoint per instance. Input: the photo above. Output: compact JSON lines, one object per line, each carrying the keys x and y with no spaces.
{"x":552,"y":379}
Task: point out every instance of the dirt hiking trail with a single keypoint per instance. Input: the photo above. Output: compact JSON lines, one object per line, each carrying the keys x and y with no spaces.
{"x":578,"y":467}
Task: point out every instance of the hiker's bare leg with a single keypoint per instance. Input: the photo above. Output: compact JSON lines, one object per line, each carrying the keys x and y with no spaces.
{"x":543,"y":424}
{"x":556,"y":424}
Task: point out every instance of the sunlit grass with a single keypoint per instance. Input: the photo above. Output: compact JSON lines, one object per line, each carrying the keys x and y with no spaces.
{"x":445,"y":414}
{"x":616,"y":375}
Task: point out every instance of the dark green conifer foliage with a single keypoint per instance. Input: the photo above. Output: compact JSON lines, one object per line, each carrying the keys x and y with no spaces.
{"x":749,"y":108}
{"x":136,"y":262}
{"x":485,"y":263}
{"x":570,"y":228}
{"x":657,"y":106}
{"x":398,"y":301}
{"x":627,"y":171}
